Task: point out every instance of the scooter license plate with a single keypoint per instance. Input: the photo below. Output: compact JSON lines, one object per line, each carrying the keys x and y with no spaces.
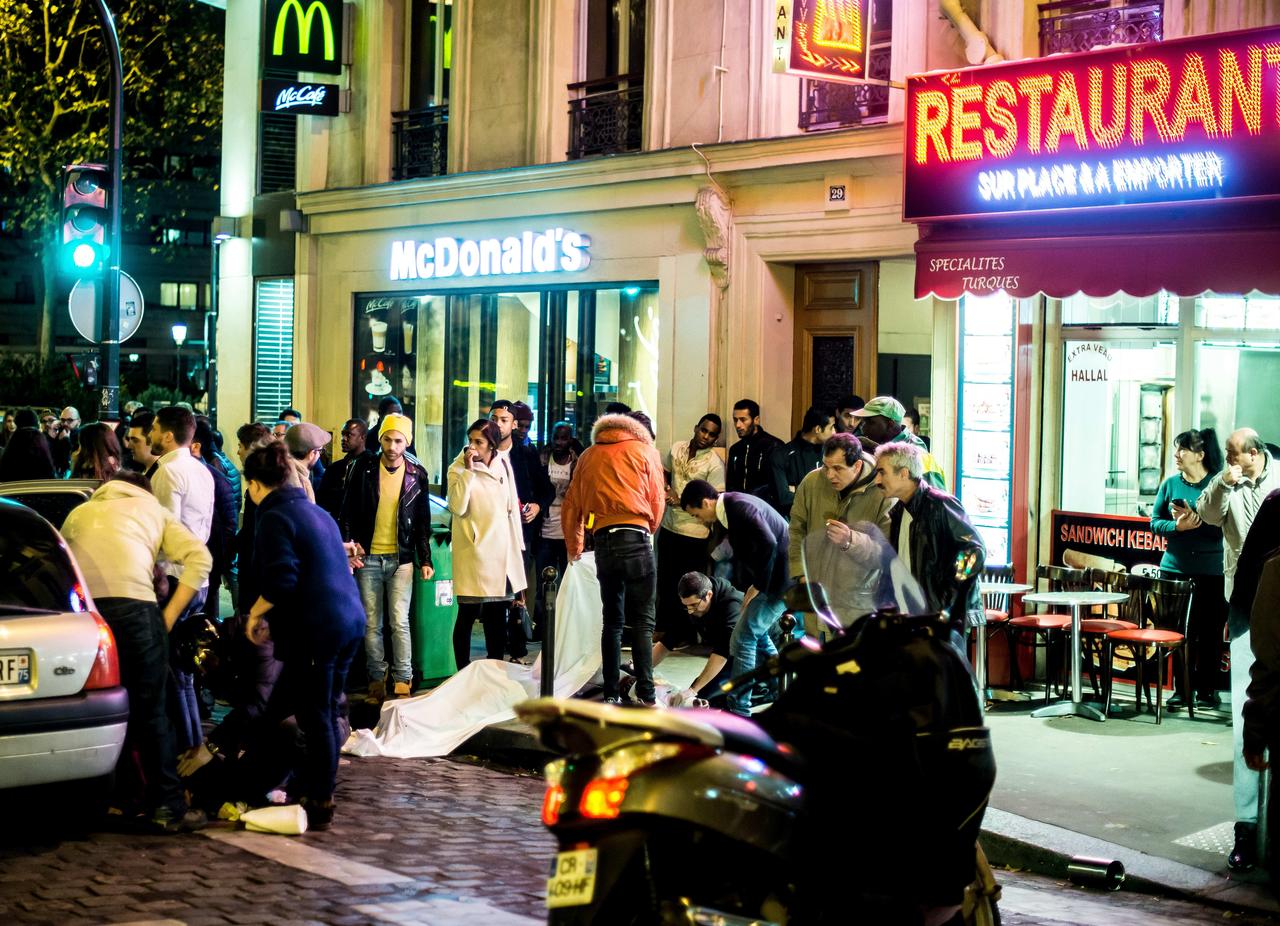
{"x":573,"y":879}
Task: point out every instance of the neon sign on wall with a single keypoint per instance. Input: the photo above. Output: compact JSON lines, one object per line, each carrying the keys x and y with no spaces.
{"x":824,"y":39}
{"x":1190,"y":119}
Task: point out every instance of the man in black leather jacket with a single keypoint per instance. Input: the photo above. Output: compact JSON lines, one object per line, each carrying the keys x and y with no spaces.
{"x":931,"y":532}
{"x":390,"y":535}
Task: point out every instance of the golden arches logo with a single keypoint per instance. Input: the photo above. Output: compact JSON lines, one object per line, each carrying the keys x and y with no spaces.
{"x":303,"y":20}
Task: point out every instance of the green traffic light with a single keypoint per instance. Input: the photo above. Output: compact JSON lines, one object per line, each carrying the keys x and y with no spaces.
{"x":84,"y":256}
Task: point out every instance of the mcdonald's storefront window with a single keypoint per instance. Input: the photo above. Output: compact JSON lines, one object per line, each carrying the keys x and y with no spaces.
{"x":568,"y":351}
{"x":302,"y":35}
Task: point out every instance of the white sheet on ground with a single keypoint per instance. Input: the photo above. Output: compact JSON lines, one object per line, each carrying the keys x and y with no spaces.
{"x":486,"y":692}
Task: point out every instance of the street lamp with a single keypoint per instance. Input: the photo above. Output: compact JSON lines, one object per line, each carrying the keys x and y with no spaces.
{"x":179,"y":332}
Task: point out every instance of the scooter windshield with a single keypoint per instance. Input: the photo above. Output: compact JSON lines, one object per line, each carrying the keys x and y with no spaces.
{"x":850,"y":571}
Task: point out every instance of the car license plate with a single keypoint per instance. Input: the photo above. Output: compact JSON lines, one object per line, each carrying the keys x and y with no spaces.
{"x":573,"y":879}
{"x":15,"y":668}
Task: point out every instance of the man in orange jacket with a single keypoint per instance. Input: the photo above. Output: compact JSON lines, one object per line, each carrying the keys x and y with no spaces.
{"x":618,"y":493}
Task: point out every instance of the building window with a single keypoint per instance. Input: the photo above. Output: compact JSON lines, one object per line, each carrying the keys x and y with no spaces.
{"x":277,"y":146}
{"x":420,"y":133}
{"x":449,"y":356}
{"x":828,"y":104}
{"x":1120,"y":309}
{"x":1079,"y":25}
{"x":272,"y":348}
{"x":183,"y":295}
{"x":1117,"y":421}
{"x":606,"y":108}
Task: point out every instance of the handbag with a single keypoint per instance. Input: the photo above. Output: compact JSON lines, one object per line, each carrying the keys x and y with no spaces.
{"x":518,"y":620}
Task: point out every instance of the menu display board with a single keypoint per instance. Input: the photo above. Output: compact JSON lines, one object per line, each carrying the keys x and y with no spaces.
{"x":986,"y":405}
{"x":385,"y":347}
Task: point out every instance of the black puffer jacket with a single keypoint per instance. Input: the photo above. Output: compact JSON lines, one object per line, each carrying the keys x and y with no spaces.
{"x":360,"y":507}
{"x":940,"y":532}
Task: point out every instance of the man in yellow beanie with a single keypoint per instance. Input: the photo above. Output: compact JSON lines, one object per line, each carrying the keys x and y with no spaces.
{"x":386,"y":512}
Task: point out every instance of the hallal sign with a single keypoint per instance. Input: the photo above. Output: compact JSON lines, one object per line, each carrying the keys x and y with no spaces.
{"x":294,"y":98}
{"x":303,"y":35}
{"x":554,"y":250}
{"x":822,"y":39}
{"x":1192,"y":119}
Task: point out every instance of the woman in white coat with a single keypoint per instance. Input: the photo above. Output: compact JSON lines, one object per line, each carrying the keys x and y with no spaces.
{"x":488,"y":540}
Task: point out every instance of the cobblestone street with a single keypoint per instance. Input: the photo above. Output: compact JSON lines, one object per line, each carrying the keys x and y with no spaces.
{"x":438,"y":842}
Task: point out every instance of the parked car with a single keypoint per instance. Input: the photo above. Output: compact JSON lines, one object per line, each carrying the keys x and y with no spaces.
{"x":52,"y":499}
{"x":63,"y":711}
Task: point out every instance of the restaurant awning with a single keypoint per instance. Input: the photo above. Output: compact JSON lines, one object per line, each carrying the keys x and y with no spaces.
{"x":952,"y":261}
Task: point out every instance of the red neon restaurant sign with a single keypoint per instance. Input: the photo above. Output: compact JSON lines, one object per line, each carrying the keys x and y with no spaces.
{"x":823,"y":39}
{"x":1187,"y":120}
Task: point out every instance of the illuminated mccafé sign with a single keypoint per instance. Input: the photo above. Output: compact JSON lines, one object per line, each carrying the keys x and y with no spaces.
{"x":303,"y":35}
{"x":1186,"y":120}
{"x":294,"y":98}
{"x":550,"y":251}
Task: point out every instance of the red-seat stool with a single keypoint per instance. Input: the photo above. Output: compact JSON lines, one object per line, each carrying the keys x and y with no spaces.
{"x":1040,"y":626}
{"x":1137,"y":640}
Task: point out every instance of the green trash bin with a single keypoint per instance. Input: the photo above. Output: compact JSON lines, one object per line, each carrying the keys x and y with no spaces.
{"x":434,"y":614}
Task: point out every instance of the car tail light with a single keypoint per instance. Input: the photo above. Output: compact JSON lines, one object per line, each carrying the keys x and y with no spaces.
{"x":106,"y":664}
{"x":602,"y":798}
{"x":551,"y":805}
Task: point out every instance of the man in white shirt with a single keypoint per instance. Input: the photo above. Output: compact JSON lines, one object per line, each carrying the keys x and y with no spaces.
{"x":184,"y":486}
{"x":181,"y":482}
{"x":682,"y":539}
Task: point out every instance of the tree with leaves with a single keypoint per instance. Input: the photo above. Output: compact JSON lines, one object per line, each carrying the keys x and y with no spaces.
{"x":54,"y":111}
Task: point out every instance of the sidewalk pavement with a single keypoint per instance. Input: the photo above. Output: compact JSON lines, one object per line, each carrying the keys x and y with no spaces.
{"x":1158,"y":798}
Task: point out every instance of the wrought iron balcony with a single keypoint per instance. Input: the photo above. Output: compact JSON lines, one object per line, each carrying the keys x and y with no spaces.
{"x":421,"y":138}
{"x":826,"y":104}
{"x":606,"y":116}
{"x":1079,"y":25}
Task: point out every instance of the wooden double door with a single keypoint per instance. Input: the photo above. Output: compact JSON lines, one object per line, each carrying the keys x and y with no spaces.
{"x":835,"y":334}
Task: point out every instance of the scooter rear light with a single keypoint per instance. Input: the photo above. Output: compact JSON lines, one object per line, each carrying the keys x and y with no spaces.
{"x":105,"y":672}
{"x":551,"y":805}
{"x":627,"y":760}
{"x":602,"y":798}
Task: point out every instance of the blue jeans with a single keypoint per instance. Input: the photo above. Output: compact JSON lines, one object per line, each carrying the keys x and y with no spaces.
{"x":628,"y":586}
{"x":1244,"y":781}
{"x":750,"y":641}
{"x":383,"y":580}
{"x":189,"y":731}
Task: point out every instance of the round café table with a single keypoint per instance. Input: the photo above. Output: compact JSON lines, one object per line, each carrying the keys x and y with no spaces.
{"x":986,"y":588}
{"x":1076,"y":601}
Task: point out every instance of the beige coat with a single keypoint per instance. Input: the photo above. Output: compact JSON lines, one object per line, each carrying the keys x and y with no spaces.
{"x":488,"y":536}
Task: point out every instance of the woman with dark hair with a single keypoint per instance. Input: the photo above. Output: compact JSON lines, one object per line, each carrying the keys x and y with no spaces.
{"x":309,"y":607}
{"x":1194,"y":551}
{"x":99,"y":454}
{"x":558,"y":459}
{"x":488,"y":540}
{"x":26,"y":456}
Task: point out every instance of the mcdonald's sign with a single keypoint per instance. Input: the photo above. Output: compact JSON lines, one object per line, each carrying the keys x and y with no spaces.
{"x":303,"y":35}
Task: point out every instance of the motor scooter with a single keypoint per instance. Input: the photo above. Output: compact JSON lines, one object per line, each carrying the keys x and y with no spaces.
{"x":856,"y":798}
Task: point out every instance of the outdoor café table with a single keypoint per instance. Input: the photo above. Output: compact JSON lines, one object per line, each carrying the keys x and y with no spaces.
{"x":980,"y":645}
{"x":1076,"y":600}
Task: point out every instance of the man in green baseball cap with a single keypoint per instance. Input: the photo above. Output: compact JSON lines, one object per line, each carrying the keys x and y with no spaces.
{"x":880,"y":421}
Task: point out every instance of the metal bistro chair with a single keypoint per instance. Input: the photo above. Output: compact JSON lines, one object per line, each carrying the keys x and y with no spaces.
{"x":1170,"y":603}
{"x":996,"y":607}
{"x":1049,"y":628}
{"x":1127,"y":615}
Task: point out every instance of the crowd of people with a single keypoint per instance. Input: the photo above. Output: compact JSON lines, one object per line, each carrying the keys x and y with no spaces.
{"x":691,"y":544}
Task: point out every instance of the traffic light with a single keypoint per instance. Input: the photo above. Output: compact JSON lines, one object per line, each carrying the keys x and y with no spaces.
{"x":84,"y":220}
